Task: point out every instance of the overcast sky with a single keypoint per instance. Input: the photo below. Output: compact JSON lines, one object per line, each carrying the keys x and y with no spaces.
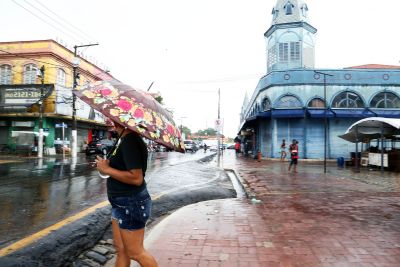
{"x":190,"y":48}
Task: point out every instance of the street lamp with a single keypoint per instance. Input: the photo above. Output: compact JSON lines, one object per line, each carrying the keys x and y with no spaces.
{"x":74,"y":141}
{"x":40,"y":74}
{"x":325,"y":115}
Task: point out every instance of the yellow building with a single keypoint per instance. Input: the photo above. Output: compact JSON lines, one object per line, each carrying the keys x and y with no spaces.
{"x":21,"y":66}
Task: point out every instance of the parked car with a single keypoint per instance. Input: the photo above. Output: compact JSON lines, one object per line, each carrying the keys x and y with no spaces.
{"x":190,"y":146}
{"x":230,"y":146}
{"x":102,"y":146}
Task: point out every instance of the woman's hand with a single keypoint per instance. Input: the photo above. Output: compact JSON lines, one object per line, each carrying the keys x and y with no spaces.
{"x":102,"y":165}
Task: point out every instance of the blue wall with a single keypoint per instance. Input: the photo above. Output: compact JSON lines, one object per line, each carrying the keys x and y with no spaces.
{"x":310,"y":134}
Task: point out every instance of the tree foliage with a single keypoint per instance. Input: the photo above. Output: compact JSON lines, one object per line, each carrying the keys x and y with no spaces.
{"x":159,"y":99}
{"x":207,"y":132}
{"x":185,"y":130}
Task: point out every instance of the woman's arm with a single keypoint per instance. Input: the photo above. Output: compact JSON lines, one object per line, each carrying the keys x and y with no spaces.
{"x":132,"y":177}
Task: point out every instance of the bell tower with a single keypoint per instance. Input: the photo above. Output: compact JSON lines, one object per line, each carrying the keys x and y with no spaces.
{"x":290,"y":41}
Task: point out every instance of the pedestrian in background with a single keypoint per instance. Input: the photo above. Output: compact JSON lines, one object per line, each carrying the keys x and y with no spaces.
{"x":283,"y":150}
{"x":294,"y":155}
{"x":237,"y":148}
{"x":127,"y":193}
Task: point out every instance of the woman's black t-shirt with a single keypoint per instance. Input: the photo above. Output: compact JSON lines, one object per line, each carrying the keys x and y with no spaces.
{"x":130,"y":154}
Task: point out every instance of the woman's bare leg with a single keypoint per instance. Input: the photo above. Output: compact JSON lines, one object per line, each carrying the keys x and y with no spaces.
{"x":133,"y":244}
{"x":123,"y":259}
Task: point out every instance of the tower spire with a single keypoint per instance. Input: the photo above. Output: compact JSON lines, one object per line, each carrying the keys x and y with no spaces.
{"x":290,"y":39}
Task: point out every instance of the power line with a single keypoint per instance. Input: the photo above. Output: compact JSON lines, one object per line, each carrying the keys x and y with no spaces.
{"x":51,"y":25}
{"x":62,"y":25}
{"x":68,"y":23}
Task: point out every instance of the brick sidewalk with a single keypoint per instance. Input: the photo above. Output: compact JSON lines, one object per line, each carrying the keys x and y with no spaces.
{"x":304,"y":219}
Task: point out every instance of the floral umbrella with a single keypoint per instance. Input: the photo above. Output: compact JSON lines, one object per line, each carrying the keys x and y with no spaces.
{"x":134,"y":109}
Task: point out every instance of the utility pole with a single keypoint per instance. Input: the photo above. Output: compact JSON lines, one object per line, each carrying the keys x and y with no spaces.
{"x":41,"y":103}
{"x":325,"y":116}
{"x":181,"y":118}
{"x":74,"y":136}
{"x":218,"y":127}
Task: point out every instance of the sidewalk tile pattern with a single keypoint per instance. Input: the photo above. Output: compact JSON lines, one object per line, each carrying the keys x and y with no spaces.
{"x":304,"y":219}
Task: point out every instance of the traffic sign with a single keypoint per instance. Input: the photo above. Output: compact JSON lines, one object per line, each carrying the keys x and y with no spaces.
{"x":61,"y":125}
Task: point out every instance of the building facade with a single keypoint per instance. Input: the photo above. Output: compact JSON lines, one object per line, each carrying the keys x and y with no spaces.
{"x":22,"y":66}
{"x":289,"y":101}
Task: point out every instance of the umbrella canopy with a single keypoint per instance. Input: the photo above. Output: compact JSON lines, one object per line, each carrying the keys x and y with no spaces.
{"x":134,"y":109}
{"x":368,"y":129}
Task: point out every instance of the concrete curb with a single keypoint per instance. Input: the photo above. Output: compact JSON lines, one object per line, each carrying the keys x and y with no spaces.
{"x":243,"y":184}
{"x":60,"y":246}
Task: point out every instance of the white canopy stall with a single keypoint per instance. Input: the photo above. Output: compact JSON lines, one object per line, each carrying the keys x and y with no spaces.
{"x":375,"y":128}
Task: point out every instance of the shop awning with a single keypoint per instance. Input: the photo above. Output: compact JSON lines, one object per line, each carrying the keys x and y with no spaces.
{"x":320,"y":113}
{"x":251,"y":118}
{"x":288,"y":113}
{"x":349,"y":113}
{"x":264,"y":114}
{"x":387,"y":113}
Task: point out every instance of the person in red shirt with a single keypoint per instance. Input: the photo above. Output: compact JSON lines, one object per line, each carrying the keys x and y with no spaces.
{"x":294,"y":155}
{"x":237,"y":147}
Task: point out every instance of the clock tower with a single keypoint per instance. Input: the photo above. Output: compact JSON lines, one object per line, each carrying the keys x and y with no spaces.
{"x":290,"y":40}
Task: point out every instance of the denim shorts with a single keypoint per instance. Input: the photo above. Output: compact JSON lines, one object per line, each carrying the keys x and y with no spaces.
{"x":131,"y":212}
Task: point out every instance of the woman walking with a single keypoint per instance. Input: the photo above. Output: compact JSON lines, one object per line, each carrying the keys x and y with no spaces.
{"x":294,"y":155}
{"x":283,"y":150}
{"x":130,"y":201}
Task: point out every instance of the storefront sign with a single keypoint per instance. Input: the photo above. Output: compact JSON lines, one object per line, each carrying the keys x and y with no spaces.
{"x":23,"y":95}
{"x":23,"y":123}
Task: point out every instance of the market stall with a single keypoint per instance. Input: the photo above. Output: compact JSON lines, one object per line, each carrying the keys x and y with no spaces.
{"x":384,"y":132}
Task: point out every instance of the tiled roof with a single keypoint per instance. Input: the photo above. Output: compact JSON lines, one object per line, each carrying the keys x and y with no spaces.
{"x":374,"y":66}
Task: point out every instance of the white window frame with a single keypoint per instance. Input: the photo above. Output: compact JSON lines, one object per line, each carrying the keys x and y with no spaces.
{"x":30,"y":72}
{"x":5,"y":74}
{"x":61,"y":77}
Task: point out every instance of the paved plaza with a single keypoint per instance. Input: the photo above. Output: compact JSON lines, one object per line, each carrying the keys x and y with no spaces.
{"x":307,"y":219}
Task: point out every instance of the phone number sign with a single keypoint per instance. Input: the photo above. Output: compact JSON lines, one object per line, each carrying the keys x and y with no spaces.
{"x":23,"y":95}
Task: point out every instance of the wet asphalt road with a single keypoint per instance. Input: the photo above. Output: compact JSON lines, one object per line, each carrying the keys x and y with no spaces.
{"x":35,"y":194}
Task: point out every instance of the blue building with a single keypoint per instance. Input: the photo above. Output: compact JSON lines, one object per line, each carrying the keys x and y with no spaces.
{"x":289,"y":101}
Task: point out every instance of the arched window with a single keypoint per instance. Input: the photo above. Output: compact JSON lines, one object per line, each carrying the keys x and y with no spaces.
{"x":385,"y":100}
{"x":30,"y":74}
{"x":61,"y":77}
{"x":347,"y":100}
{"x":265,"y":104}
{"x":275,"y":13}
{"x":289,"y":101}
{"x":288,"y":8}
{"x":5,"y":74}
{"x":304,"y":10}
{"x":316,"y":103}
